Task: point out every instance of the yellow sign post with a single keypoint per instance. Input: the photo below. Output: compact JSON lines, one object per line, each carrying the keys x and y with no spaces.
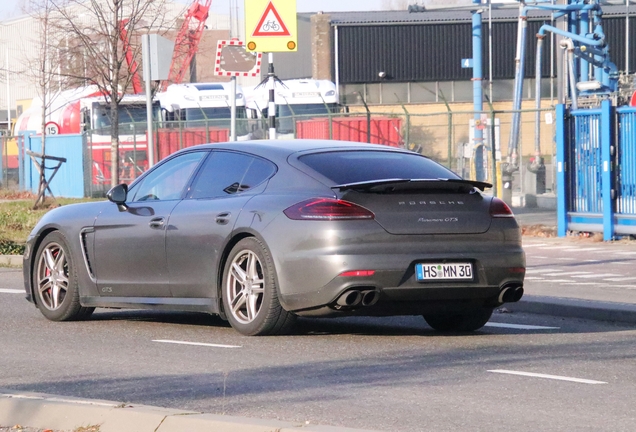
{"x":270,"y":25}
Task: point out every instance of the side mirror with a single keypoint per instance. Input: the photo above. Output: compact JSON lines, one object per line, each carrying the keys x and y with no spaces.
{"x":118,"y":195}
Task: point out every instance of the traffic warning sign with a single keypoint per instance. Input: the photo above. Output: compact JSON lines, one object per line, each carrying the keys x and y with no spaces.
{"x":271,"y":25}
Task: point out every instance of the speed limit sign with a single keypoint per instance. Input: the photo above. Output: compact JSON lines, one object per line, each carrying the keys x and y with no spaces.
{"x":52,"y":128}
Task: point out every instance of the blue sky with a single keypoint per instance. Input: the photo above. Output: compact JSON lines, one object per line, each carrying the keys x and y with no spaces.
{"x":9,"y":9}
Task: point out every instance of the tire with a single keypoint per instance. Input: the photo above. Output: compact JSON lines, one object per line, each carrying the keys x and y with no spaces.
{"x":250,"y":292}
{"x":463,"y":322}
{"x":54,"y":280}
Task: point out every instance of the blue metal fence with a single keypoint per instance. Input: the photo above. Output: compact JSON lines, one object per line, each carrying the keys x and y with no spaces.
{"x":69,"y":180}
{"x":596,"y":170}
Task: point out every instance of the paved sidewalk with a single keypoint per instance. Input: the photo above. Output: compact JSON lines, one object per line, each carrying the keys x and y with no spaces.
{"x":61,"y":413}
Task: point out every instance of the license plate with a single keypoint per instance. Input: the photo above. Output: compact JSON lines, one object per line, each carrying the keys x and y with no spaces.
{"x":444,"y":271}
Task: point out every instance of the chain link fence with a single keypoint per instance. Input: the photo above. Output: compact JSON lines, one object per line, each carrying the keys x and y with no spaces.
{"x":445,"y":136}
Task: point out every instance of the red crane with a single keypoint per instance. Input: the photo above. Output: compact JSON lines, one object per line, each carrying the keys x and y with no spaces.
{"x":187,"y":42}
{"x":132,"y":64}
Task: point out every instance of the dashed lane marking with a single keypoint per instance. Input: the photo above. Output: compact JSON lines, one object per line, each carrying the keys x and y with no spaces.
{"x":565,"y":273}
{"x":546,"y":376}
{"x":535,"y":270}
{"x":11,"y":291}
{"x":590,"y":276}
{"x":196,"y":343}
{"x":520,"y":326}
{"x":556,"y":247}
{"x":534,"y":245}
{"x":620,"y":279}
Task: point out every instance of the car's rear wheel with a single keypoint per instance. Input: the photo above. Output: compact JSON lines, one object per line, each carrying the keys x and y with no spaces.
{"x":250,"y":292}
{"x":460,"y":322}
{"x":55,"y":281}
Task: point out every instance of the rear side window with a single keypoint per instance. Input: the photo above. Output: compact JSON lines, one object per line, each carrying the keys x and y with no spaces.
{"x":228,"y":173}
{"x":344,"y":167}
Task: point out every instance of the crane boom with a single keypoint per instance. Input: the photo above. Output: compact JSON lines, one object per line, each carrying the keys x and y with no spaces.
{"x":132,"y":64}
{"x":187,"y":42}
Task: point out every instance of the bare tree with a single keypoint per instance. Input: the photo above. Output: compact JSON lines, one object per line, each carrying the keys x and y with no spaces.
{"x":99,"y":30}
{"x":45,"y":71}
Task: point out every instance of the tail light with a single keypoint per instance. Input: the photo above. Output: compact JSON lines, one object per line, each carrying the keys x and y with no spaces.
{"x":327,"y":209}
{"x":499,"y":209}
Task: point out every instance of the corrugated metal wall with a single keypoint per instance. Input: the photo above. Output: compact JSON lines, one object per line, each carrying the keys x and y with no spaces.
{"x":433,"y":52}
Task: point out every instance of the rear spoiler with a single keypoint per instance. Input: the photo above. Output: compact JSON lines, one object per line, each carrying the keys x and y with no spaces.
{"x":379,"y":185}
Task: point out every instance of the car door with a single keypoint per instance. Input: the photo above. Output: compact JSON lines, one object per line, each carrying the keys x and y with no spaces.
{"x":201,"y":224}
{"x":129,"y":249}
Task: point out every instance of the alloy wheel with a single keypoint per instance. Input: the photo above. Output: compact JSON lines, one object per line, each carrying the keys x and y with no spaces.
{"x":52,"y":276}
{"x":245,"y":287}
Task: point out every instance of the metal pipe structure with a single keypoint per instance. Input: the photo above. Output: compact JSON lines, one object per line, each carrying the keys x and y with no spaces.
{"x":584,"y":28}
{"x":569,"y":46}
{"x":516,"y":104}
{"x":478,"y":98}
{"x":537,"y":126}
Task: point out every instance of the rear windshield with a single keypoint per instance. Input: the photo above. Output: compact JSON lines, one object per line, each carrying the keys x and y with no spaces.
{"x":344,"y":167}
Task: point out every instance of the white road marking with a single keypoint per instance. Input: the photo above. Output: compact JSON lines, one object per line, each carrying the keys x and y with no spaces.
{"x":582,"y":283}
{"x":520,"y":326}
{"x":534,"y":245}
{"x":566,"y":259}
{"x":533,"y":278}
{"x":554,"y":377}
{"x":563,"y":281}
{"x":625,"y":253}
{"x":540,"y":257}
{"x":534,"y":270}
{"x":623,"y":263}
{"x":620,"y":279}
{"x":196,"y":343}
{"x":556,"y":247}
{"x":590,"y":276}
{"x":587,"y":249}
{"x":565,"y":273}
{"x":11,"y":291}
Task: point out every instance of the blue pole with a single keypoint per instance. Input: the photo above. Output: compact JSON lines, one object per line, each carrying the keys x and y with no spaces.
{"x":562,"y":166}
{"x":478,"y":100}
{"x":606,"y":173}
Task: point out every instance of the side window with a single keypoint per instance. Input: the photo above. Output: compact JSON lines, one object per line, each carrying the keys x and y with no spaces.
{"x":168,"y":181}
{"x":228,"y":173}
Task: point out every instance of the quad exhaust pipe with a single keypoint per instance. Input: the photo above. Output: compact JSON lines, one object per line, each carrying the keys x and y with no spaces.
{"x":349,"y":299}
{"x":355,"y":298}
{"x":510,"y":294}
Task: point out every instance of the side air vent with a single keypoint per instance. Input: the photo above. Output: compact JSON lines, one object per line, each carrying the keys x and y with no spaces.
{"x":84,"y":234}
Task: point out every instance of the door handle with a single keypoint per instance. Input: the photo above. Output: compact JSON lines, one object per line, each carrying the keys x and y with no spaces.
{"x":157,"y":222}
{"x":223,"y":218}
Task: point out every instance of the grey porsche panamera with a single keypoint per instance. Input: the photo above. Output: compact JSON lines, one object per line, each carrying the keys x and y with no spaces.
{"x":263,"y":232}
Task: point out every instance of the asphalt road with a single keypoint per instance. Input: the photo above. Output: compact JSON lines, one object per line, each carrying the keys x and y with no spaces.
{"x":391,"y":374}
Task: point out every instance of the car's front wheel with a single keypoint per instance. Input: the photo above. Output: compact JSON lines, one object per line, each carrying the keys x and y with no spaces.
{"x":460,"y":322}
{"x":55,"y":281}
{"x":250,"y":293}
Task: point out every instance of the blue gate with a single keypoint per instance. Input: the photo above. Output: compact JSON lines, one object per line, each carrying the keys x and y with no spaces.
{"x":596,"y":170}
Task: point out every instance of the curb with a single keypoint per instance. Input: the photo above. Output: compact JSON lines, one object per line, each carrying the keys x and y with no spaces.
{"x":576,"y":308}
{"x":11,"y":260}
{"x":67,"y":413}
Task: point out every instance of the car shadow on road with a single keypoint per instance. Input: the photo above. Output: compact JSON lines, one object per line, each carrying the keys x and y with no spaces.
{"x":503,"y":323}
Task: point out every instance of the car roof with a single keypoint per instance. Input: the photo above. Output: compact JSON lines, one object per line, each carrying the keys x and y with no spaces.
{"x":285,"y":148}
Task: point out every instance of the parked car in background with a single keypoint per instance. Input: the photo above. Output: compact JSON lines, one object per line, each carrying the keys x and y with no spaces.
{"x":261,"y":232}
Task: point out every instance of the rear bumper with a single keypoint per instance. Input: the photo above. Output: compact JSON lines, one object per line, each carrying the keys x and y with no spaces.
{"x":309,"y":263}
